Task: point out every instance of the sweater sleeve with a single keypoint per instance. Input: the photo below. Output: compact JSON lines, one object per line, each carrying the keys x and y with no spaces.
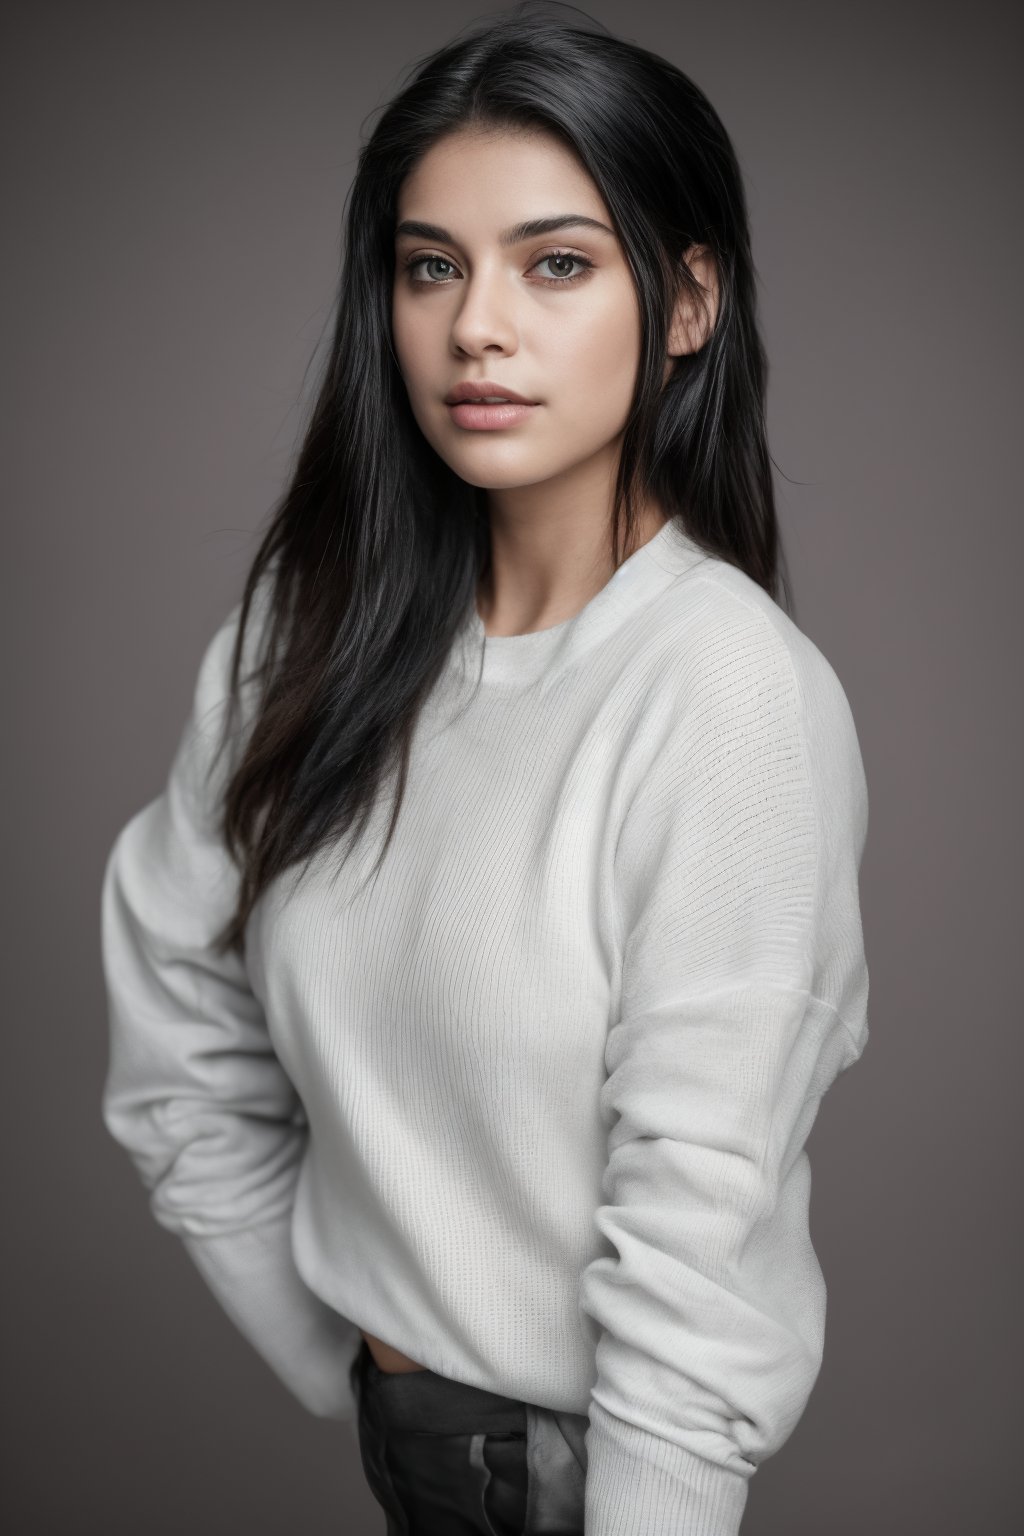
{"x":743,"y":995}
{"x":194,"y":1091}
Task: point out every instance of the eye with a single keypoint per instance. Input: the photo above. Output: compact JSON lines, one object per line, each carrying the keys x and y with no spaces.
{"x":567,"y":256}
{"x":421,"y":261}
{"x":583,"y":262}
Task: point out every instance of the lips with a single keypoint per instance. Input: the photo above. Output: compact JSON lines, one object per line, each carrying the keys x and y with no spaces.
{"x":485,"y":390}
{"x":479,"y":416}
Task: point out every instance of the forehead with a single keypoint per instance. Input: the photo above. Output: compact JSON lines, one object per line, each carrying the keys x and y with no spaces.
{"x":480,"y":181}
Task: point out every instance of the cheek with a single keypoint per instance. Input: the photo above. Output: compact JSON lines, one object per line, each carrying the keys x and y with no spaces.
{"x":408,"y":333}
{"x":594,"y":353}
{"x":605,"y":329}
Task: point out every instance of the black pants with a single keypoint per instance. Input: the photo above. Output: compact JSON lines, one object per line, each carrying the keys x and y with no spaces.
{"x":445,"y":1459}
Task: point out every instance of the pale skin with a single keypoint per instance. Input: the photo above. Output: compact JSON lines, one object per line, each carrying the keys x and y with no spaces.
{"x":553,"y":316}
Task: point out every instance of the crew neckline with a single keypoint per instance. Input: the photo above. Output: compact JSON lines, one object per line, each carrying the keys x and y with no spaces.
{"x":521,"y":659}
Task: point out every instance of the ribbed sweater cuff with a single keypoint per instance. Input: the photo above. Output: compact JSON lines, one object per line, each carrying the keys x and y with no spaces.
{"x":639,"y":1484}
{"x":305,"y":1342}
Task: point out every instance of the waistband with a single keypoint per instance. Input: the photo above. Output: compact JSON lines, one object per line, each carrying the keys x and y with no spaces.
{"x":425,"y":1400}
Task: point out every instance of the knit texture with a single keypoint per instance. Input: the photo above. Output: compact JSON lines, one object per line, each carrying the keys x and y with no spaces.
{"x":531,"y":1105}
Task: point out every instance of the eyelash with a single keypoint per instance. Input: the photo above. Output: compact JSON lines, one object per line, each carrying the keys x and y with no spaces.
{"x":549,"y":282}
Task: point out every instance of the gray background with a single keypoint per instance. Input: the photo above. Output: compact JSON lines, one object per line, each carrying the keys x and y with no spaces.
{"x":172,"y":191}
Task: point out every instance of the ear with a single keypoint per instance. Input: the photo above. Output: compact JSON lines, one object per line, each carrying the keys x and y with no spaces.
{"x":690,"y":327}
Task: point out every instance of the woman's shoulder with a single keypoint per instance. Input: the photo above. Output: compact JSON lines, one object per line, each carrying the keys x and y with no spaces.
{"x":213,"y":677}
{"x":719,"y":625}
{"x":215,"y":705}
{"x":724,"y":661}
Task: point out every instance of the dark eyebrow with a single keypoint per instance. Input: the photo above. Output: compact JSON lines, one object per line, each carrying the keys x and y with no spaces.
{"x":528,"y":230}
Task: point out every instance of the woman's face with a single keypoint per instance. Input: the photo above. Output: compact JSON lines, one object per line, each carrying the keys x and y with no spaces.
{"x":551,"y":315}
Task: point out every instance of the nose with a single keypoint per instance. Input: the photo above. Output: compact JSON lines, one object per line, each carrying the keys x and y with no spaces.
{"x":485,"y":316}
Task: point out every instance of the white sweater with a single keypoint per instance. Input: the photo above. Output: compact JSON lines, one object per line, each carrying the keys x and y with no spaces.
{"x":532,"y":1105}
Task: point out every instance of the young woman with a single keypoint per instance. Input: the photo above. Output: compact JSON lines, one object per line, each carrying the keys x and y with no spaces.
{"x":476,"y":979}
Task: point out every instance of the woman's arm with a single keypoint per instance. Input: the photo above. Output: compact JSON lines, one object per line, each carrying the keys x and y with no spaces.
{"x":744,"y":990}
{"x":194,"y":1091}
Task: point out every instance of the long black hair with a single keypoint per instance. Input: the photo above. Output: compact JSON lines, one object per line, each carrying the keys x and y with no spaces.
{"x":374,"y":553}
